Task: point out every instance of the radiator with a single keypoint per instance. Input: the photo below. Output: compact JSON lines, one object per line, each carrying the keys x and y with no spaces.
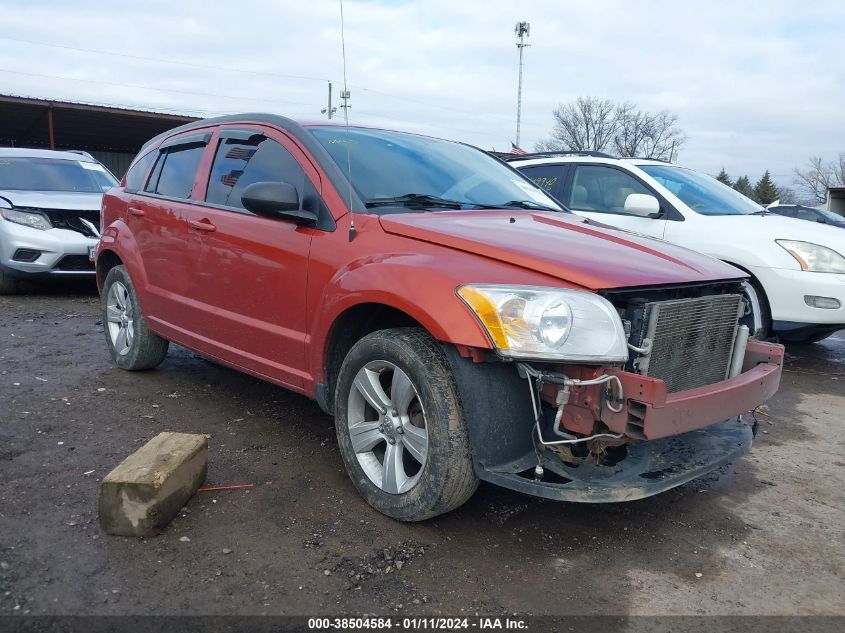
{"x":691,"y":340}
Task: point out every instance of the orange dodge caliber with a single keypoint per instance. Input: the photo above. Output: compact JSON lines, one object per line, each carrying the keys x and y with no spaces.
{"x":457,"y":323}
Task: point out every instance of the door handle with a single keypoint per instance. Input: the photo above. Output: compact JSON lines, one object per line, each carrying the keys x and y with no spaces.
{"x":136,"y":212}
{"x":202,"y":225}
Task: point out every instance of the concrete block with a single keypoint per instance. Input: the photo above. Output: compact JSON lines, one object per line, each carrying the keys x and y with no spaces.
{"x":148,"y":488}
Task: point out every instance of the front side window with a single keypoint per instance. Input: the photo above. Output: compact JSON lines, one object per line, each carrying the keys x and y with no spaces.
{"x":701,"y":193}
{"x":51,"y":174}
{"x":239,"y":163}
{"x":603,"y":189}
{"x":175,"y":170}
{"x":425,"y":172}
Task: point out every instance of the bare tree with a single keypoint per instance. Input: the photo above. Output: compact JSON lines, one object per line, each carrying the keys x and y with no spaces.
{"x":659,"y":135}
{"x":590,"y":123}
{"x":819,"y":176}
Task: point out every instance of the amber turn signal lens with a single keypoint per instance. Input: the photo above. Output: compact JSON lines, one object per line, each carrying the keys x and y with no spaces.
{"x":486,"y":311}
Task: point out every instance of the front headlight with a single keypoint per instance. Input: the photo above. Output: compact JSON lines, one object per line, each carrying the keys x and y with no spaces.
{"x":33,"y":219}
{"x":548,"y":324}
{"x":814,"y":258}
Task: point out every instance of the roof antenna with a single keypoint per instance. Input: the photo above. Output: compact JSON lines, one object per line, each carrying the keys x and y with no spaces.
{"x":352,"y":231}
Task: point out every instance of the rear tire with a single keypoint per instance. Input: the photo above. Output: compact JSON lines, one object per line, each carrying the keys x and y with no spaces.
{"x":400,"y":426}
{"x":8,"y":285}
{"x":131,"y":344}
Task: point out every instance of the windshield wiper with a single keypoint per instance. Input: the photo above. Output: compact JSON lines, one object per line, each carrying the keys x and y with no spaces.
{"x":415,"y":199}
{"x":528,"y":204}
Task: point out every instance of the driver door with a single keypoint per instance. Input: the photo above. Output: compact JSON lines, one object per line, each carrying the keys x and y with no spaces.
{"x":599,"y":192}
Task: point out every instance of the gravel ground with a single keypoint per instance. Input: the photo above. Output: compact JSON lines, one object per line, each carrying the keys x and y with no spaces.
{"x":763,"y":536}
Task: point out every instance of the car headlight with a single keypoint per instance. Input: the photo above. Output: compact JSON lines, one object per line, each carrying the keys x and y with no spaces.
{"x":814,"y":258}
{"x":33,"y":219}
{"x":548,"y":323}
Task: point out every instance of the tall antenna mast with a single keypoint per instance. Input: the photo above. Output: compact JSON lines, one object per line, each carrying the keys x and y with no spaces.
{"x":522,"y":30}
{"x":345,"y":97}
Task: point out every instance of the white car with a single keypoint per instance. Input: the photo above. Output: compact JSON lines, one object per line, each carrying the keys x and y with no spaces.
{"x":796,"y":288}
{"x":49,"y":214}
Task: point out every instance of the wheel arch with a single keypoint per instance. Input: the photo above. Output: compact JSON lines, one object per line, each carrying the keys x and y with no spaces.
{"x":107,"y":260}
{"x":350,"y":326}
{"x":758,"y":286}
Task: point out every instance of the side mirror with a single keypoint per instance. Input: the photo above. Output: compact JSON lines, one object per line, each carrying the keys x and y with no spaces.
{"x":643,"y":205}
{"x":822,"y":220}
{"x":276,"y":200}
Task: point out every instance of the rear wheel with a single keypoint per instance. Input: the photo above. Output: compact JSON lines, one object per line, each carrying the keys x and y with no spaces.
{"x":8,"y":285}
{"x":400,"y":426}
{"x":132,"y":346}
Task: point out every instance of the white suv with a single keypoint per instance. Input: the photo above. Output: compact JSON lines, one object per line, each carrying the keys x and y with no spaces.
{"x":49,"y":214}
{"x":796,"y":269}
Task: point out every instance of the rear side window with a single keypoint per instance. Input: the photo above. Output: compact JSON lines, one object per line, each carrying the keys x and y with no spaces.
{"x":175,"y":170}
{"x":136,"y":174}
{"x":238,"y":163}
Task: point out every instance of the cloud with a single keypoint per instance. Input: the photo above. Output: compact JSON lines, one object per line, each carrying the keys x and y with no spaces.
{"x":756,"y":86}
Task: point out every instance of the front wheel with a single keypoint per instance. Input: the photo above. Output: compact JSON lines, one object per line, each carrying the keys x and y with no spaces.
{"x":132,"y":346}
{"x":8,"y":285}
{"x":400,"y":426}
{"x":755,"y":310}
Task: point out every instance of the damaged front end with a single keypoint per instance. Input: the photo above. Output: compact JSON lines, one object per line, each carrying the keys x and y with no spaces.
{"x":606,"y":433}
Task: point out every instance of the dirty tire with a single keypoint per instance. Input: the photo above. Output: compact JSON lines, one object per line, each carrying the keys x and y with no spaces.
{"x":447,"y":479}
{"x":8,"y":286}
{"x":147,"y":349}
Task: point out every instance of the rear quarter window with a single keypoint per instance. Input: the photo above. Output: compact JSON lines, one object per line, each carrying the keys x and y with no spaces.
{"x":137,"y":174}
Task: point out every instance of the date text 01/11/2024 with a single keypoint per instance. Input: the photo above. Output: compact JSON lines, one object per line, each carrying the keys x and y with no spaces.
{"x":418,"y":623}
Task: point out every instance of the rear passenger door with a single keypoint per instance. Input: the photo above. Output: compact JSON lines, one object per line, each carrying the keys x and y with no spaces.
{"x":252,"y":271}
{"x":599,"y":192}
{"x":156,"y":218}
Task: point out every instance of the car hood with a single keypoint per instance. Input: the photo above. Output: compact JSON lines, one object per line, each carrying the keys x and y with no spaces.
{"x":66,"y":200}
{"x":563,"y":246}
{"x":771,"y":226}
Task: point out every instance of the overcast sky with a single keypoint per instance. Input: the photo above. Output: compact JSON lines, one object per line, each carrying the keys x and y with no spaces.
{"x":756,"y":85}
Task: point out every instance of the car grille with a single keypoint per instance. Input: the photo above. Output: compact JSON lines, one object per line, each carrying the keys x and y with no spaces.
{"x":691,"y":340}
{"x":75,"y":263}
{"x":70,"y":220}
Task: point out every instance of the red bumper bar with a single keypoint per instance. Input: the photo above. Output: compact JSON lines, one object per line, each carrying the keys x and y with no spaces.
{"x":650,"y":412}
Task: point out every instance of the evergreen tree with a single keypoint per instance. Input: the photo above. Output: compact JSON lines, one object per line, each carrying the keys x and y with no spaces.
{"x":724,"y":178}
{"x":766,"y":191}
{"x":743,"y":185}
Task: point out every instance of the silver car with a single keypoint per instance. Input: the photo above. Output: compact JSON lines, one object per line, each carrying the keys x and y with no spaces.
{"x":49,"y":214}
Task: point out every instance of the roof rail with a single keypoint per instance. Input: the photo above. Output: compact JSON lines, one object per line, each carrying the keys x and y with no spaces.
{"x":659,"y":160}
{"x":80,"y":152}
{"x":579,"y":152}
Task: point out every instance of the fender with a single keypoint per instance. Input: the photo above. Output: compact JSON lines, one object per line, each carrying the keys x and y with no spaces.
{"x":118,"y":238}
{"x":435,"y":306}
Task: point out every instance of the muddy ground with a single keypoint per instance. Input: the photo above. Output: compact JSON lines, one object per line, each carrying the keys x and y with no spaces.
{"x":763,"y":536}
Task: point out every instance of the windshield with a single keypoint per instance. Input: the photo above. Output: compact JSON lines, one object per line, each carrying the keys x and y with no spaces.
{"x":830,"y":215}
{"x":51,"y":174}
{"x":701,"y":193}
{"x":416,"y":170}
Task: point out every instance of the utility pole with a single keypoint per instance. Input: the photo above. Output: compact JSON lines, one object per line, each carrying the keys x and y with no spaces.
{"x":344,"y":96}
{"x":521,"y":30}
{"x":329,"y":110}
